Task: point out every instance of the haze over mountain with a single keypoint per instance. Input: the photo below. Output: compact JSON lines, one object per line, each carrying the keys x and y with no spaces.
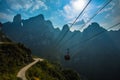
{"x":97,"y":57}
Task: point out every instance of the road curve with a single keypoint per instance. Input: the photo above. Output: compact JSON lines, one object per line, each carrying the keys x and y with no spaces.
{"x":21,"y":73}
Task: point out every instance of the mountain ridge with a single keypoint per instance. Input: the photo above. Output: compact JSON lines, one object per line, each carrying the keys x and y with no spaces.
{"x":85,"y":47}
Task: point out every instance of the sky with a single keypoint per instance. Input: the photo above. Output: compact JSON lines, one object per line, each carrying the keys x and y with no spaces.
{"x":62,"y":12}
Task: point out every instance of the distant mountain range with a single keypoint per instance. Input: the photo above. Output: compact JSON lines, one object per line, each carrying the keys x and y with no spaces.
{"x":94,"y":55}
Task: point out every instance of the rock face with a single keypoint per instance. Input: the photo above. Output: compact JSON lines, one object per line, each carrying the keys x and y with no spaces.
{"x":17,"y":18}
{"x":36,"y":32}
{"x":65,"y":28}
{"x":95,"y":50}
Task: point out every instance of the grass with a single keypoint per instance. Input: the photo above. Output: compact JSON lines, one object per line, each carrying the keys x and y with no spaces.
{"x":48,"y":71}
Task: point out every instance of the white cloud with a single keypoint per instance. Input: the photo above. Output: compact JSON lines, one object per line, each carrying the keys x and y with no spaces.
{"x":71,"y":10}
{"x":9,"y":11}
{"x":78,"y":4}
{"x":5,"y":16}
{"x":109,"y":8}
{"x":116,"y":19}
{"x":26,"y":4}
{"x":39,"y":4}
{"x":78,"y":25}
{"x":107,"y":15}
{"x":107,"y":26}
{"x":21,"y":5}
{"x":86,"y":17}
{"x":13,"y":4}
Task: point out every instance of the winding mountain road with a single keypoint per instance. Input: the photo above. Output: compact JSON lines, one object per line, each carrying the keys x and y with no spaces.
{"x":21,"y":73}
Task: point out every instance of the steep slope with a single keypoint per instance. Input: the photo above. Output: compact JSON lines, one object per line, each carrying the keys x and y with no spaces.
{"x":13,"y":56}
{"x":51,"y":71}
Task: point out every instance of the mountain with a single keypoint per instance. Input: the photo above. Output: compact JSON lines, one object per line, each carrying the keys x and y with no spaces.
{"x":13,"y":56}
{"x":16,"y":56}
{"x":98,"y":57}
{"x":36,"y":35}
{"x":94,"y":52}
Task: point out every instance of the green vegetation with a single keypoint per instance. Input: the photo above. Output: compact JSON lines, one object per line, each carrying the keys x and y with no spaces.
{"x":50,"y":71}
{"x":13,"y":56}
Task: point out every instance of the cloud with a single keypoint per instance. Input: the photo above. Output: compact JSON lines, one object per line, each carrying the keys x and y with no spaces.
{"x":20,"y":6}
{"x":109,"y":8}
{"x":25,"y":5}
{"x":39,"y":4}
{"x":113,"y":16}
{"x":10,"y":11}
{"x":71,"y":10}
{"x":116,"y":19}
{"x":107,"y":15}
{"x":5,"y":16}
{"x":78,"y":25}
{"x":13,"y":4}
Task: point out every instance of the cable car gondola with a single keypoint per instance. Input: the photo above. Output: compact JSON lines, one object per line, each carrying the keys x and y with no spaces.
{"x":67,"y":56}
{"x":1,"y":25}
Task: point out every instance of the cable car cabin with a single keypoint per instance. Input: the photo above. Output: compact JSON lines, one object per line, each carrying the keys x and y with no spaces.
{"x":67,"y":56}
{"x":0,"y":25}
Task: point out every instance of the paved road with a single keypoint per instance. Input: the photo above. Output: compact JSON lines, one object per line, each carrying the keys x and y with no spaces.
{"x":21,"y":73}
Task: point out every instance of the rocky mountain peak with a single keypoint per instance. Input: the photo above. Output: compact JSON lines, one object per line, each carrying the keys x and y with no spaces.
{"x":17,"y":18}
{"x":94,"y":27}
{"x":40,"y":17}
{"x":65,"y":28}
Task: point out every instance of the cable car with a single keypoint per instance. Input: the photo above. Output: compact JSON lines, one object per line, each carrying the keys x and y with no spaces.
{"x":67,"y":56}
{"x":1,"y":25}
